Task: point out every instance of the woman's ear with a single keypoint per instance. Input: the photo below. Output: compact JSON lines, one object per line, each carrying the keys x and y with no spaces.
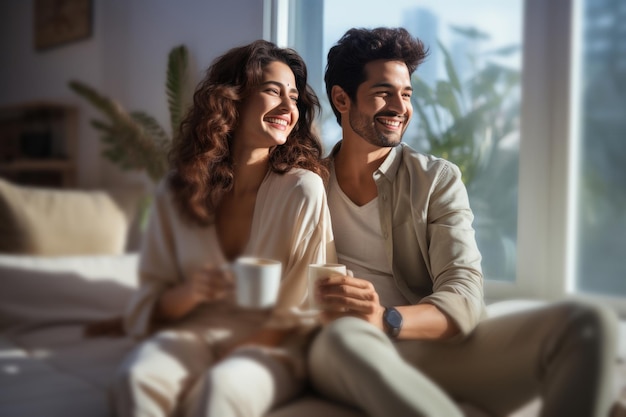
{"x":340,"y":99}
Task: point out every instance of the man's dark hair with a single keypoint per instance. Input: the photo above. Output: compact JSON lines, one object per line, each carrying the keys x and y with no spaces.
{"x":358,"y":46}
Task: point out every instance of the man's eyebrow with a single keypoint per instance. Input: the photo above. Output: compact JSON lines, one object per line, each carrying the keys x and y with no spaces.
{"x":388,"y":85}
{"x":280,"y":85}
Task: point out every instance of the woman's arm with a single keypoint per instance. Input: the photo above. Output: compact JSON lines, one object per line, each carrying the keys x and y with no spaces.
{"x":206,"y":285}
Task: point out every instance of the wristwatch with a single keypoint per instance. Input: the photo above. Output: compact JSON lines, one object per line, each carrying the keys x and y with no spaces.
{"x":392,"y":321}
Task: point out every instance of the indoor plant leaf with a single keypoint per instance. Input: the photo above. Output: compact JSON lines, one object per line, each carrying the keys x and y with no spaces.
{"x":177,"y":93}
{"x":135,"y":140}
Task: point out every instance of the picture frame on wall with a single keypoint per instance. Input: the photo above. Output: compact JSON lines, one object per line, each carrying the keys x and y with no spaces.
{"x":58,"y":22}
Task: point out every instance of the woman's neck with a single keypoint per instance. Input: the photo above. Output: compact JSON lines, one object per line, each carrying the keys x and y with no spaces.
{"x":235,"y":211}
{"x":249,"y":170}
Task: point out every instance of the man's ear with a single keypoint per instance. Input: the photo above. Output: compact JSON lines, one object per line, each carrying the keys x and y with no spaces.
{"x":340,"y":99}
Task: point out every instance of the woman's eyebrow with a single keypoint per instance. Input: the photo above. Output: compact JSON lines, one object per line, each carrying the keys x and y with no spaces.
{"x":277,"y":84}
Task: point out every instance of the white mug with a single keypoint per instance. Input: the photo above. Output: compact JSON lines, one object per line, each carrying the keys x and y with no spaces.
{"x":317,"y":271}
{"x":257,"y":281}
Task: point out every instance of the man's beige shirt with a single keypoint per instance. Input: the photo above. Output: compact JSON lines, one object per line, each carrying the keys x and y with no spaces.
{"x":426,"y":223}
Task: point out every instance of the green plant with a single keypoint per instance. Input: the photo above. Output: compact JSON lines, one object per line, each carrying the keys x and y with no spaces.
{"x":474,"y":123}
{"x":464,"y":120}
{"x":135,"y":140}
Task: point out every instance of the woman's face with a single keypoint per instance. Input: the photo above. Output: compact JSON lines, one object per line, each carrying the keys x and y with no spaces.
{"x":269,"y":113}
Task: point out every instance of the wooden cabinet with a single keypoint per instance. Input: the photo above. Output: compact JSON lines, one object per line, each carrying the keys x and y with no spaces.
{"x":38,"y":144}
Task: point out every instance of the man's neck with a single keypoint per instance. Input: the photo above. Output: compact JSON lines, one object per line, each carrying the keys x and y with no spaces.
{"x":357,"y":158}
{"x":355,"y":164}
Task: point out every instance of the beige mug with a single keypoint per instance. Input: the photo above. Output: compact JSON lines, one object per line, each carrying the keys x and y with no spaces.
{"x":317,"y":271}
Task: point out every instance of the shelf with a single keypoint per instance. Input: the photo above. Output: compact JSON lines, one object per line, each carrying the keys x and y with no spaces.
{"x":38,"y":143}
{"x":36,"y":165}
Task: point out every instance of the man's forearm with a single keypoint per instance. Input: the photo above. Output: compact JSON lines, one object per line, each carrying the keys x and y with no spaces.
{"x":425,"y":322}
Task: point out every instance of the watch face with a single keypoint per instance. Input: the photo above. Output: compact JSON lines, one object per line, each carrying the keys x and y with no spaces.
{"x":393,"y":321}
{"x":394,"y":318}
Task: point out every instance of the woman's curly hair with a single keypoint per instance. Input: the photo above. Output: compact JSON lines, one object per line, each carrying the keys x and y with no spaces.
{"x":200,"y":158}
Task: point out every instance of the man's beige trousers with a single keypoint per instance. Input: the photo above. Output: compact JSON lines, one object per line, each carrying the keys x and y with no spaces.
{"x":564,"y":352}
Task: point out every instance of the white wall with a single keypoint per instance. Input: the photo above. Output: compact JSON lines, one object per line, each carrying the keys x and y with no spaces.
{"x":125,"y":58}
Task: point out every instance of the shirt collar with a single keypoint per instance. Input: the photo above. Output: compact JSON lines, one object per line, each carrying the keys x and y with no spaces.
{"x":388,"y":168}
{"x":390,"y":165}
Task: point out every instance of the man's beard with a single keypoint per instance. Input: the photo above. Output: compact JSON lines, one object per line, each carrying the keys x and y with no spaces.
{"x":366,"y":128}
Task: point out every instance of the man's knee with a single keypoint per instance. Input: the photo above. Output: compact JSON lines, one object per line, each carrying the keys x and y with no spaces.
{"x":343,"y":343}
{"x":341,"y":335}
{"x":591,"y":322}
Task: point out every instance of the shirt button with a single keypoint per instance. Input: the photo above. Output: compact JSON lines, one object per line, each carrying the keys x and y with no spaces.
{"x":384,"y":197}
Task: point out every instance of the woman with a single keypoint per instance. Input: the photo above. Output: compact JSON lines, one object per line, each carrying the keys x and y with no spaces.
{"x":245,"y":180}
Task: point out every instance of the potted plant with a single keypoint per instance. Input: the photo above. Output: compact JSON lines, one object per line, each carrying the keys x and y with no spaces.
{"x":135,"y":140}
{"x":474,"y":123}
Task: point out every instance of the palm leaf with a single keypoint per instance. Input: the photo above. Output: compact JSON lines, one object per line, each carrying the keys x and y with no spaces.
{"x":136,"y":140}
{"x":127,"y":142}
{"x":132,"y":147}
{"x":504,"y":50}
{"x":450,"y":70}
{"x":176,"y":85}
{"x":445,"y":97}
{"x":158,"y":137}
{"x":470,"y":32}
{"x":109,"y":107}
{"x":156,"y":144}
{"x":425,"y":98}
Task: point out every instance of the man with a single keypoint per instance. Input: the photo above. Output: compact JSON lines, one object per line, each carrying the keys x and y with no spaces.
{"x":403,"y":226}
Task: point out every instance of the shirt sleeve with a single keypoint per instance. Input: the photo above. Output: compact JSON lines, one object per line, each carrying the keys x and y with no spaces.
{"x":455,"y":260}
{"x":311,"y":240}
{"x":157,"y":265}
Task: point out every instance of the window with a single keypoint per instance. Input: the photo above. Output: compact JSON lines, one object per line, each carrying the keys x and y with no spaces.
{"x":536,"y":206}
{"x":601,"y":164}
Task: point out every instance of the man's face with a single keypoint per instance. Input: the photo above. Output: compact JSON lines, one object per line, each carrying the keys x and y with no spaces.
{"x":383,"y":109}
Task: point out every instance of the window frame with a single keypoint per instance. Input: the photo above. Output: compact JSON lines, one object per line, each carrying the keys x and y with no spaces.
{"x":548,"y":159}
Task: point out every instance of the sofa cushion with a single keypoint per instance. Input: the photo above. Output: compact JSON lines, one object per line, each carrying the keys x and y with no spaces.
{"x":501,"y":308}
{"x":43,"y":221}
{"x":31,"y":387}
{"x":66,"y":349}
{"x":39,"y":291}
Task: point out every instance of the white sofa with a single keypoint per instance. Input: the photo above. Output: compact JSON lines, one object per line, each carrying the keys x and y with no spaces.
{"x":49,"y":368}
{"x":51,"y":287}
{"x":67,"y":259}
